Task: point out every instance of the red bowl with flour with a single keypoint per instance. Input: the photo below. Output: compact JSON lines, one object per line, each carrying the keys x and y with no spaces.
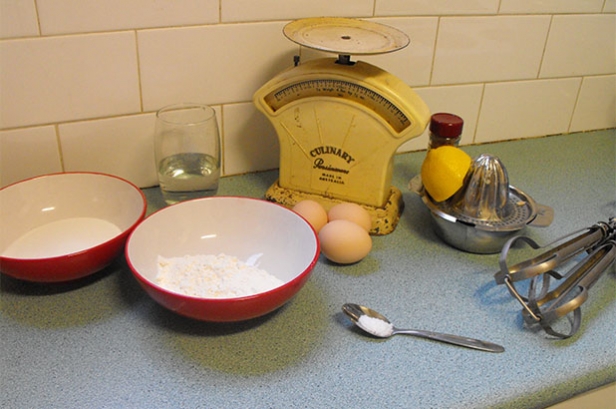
{"x":261,"y":235}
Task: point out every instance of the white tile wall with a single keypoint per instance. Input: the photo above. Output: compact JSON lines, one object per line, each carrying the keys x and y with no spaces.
{"x":80,"y":79}
{"x":26,"y":153}
{"x":78,"y":16}
{"x":210,"y":64}
{"x":264,"y":10}
{"x":435,"y":7}
{"x":18,"y":19}
{"x":485,"y":49}
{"x":596,"y":105}
{"x":412,"y":64}
{"x":580,"y":45}
{"x":512,"y":110}
{"x":251,"y":144}
{"x":551,"y":6}
{"x":57,"y":79}
{"x":122,"y":145}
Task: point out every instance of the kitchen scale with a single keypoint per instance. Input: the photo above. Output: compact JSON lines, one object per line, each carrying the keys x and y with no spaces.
{"x":340,"y":122}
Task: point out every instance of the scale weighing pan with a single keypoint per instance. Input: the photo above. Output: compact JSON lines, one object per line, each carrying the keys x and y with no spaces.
{"x":340,"y":122}
{"x":345,"y":36}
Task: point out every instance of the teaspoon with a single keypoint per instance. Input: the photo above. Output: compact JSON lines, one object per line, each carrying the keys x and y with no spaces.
{"x":377,"y":325}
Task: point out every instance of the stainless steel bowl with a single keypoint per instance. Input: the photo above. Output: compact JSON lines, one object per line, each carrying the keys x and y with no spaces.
{"x":487,"y":237}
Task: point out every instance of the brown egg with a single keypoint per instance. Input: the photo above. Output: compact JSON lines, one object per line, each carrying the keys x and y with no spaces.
{"x":344,"y":242}
{"x":313,"y":212}
{"x":351,"y":212}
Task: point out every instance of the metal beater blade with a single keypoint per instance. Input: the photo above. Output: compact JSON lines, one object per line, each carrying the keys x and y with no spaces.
{"x":545,"y":306}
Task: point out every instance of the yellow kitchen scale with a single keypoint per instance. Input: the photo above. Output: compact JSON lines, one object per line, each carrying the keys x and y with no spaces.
{"x":340,"y":122}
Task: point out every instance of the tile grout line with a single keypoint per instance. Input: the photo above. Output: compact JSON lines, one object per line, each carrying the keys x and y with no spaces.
{"x":59,"y":144}
{"x":575,"y":103}
{"x":479,"y":109}
{"x":138,"y":60}
{"x":545,"y":47}
{"x":434,"y":47}
{"x":38,"y":18}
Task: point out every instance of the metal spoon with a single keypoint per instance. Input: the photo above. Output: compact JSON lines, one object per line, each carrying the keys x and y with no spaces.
{"x":379,"y":326}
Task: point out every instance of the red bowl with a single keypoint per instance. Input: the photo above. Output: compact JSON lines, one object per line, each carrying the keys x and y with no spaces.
{"x":284,"y":244}
{"x":65,"y":226}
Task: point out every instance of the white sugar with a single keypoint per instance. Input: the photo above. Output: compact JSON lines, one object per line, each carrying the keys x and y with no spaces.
{"x":376,"y":326}
{"x":213,"y":276}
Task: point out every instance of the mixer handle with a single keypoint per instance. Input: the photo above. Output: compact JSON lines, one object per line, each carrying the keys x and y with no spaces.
{"x":547,"y":307}
{"x":543,"y":306}
{"x":581,"y":240}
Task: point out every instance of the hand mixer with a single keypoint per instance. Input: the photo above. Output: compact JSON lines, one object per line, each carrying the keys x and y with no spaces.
{"x":591,"y":251}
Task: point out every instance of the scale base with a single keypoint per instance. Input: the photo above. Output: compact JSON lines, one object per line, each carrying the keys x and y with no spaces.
{"x":384,"y":219}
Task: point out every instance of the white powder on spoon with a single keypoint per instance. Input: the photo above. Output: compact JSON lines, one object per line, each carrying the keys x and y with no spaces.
{"x":213,"y":276}
{"x":376,"y":326}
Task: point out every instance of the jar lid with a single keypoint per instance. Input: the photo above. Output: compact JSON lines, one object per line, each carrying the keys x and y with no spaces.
{"x":446,"y":125}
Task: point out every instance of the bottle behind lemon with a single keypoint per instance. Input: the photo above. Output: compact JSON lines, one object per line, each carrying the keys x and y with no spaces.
{"x":445,"y":130}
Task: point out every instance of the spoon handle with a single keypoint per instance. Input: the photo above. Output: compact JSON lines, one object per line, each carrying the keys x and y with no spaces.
{"x":453,"y":339}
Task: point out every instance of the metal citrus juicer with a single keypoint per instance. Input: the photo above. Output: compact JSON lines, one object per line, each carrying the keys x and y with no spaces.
{"x":486,"y":211}
{"x":339,"y":122}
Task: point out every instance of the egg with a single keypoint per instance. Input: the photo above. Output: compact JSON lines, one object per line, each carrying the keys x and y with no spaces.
{"x":313,"y":212}
{"x":344,"y":242}
{"x":351,"y":212}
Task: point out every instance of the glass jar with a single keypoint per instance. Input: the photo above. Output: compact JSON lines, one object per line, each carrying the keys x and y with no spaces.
{"x":445,"y":129}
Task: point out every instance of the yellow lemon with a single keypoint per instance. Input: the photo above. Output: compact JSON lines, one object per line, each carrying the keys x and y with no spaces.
{"x":443,"y":171}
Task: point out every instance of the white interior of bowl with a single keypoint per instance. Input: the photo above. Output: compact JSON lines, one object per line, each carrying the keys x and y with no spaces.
{"x":281,"y":242}
{"x":60,"y":214}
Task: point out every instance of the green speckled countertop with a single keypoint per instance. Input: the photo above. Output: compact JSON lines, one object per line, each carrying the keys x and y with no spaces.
{"x":102,"y":342}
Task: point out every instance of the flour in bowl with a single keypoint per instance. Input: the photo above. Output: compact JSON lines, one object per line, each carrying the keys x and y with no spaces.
{"x":213,"y":276}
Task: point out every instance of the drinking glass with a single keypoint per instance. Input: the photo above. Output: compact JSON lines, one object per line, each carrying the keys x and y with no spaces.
{"x":187,"y":151}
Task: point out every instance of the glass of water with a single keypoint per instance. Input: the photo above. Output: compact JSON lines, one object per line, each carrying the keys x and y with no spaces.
{"x":187,"y":152}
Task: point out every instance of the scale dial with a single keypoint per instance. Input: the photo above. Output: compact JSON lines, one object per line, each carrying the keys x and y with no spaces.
{"x":339,"y":127}
{"x":340,"y":88}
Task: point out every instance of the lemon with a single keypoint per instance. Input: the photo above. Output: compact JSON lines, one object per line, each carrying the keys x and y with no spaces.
{"x":443,"y":171}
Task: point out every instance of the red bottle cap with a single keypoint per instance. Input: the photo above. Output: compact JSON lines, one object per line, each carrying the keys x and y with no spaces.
{"x":446,"y":125}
